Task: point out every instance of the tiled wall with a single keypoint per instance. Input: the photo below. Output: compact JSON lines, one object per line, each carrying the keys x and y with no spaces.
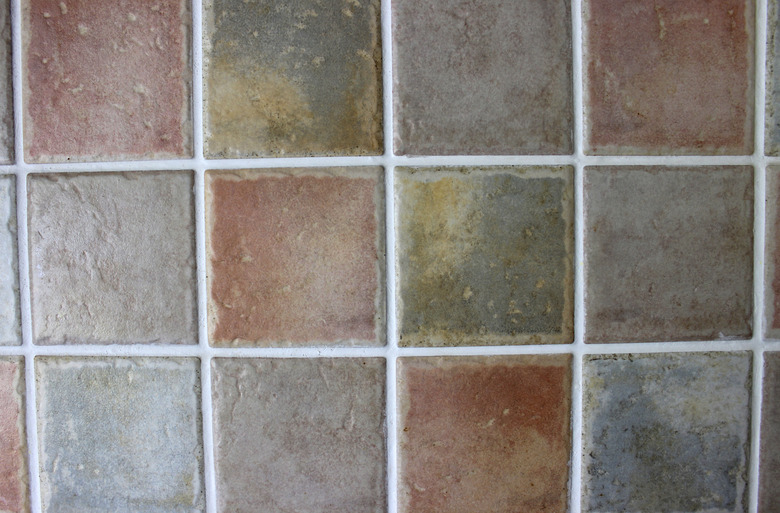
{"x":393,"y":256}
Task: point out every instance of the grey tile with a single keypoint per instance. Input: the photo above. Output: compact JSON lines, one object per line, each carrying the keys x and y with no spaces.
{"x":9,"y":276}
{"x":769,"y":465}
{"x":6,"y":96}
{"x":772,"y":135}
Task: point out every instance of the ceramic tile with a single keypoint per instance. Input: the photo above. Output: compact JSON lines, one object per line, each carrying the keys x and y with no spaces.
{"x":772,"y":257}
{"x":668,"y":253}
{"x":296,"y":257}
{"x":484,"y":255}
{"x":303,"y":435}
{"x":106,"y":80}
{"x":482,"y":77}
{"x":292,"y":78}
{"x":678,"y":81}
{"x":13,"y":468}
{"x":772,"y":134}
{"x":6,"y":97}
{"x":112,"y":258}
{"x":9,"y":276}
{"x":119,"y":434}
{"x":666,"y":432}
{"x":484,"y":434}
{"x":769,"y":465}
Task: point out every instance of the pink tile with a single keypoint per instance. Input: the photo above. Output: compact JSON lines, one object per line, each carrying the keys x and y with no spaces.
{"x":13,"y":471}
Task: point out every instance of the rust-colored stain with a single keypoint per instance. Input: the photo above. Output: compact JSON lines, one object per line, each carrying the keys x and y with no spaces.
{"x":12,"y":469}
{"x":484,"y":434}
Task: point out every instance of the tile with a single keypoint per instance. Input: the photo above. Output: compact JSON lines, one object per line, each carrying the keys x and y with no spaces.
{"x":112,"y":258}
{"x":13,"y":466}
{"x":292,"y":78}
{"x":769,"y":465}
{"x":680,"y":81}
{"x":772,"y":257}
{"x":666,"y":432}
{"x":482,"y":77}
{"x":9,"y":276}
{"x":472,"y":424}
{"x":106,"y":80}
{"x":668,"y":253}
{"x":772,"y":135}
{"x":303,"y":435}
{"x":6,"y":96}
{"x":119,"y":434}
{"x":296,"y":257}
{"x":484,"y":255}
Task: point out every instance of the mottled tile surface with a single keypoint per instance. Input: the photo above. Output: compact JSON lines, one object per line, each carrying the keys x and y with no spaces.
{"x":666,"y":432}
{"x":119,"y":434}
{"x":772,"y":135}
{"x":482,"y":77}
{"x":13,"y":468}
{"x":6,"y":96}
{"x":668,"y":253}
{"x":303,"y":435}
{"x":484,"y":255}
{"x":112,"y":258}
{"x":9,"y":277}
{"x":769,"y":466}
{"x":484,"y":434}
{"x":664,"y":76}
{"x":292,"y":78}
{"x":296,"y":257}
{"x":106,"y":80}
{"x":772,"y":257}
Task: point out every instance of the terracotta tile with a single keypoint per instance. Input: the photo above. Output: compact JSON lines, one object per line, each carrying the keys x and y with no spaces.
{"x":484,"y":434}
{"x":769,"y":470}
{"x":772,"y":257}
{"x":119,"y":434}
{"x":296,"y":257}
{"x":106,"y":80}
{"x":9,"y":276}
{"x":482,"y":77}
{"x":666,"y":432}
{"x":6,"y":96}
{"x":112,"y":258}
{"x":13,"y":467}
{"x":292,"y":78}
{"x":303,"y":435}
{"x":679,"y":81}
{"x":668,"y":253}
{"x":484,"y":255}
{"x":772,"y":135}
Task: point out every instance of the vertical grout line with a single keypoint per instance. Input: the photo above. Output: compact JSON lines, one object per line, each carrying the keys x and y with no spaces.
{"x":386,"y":30}
{"x":755,"y":439}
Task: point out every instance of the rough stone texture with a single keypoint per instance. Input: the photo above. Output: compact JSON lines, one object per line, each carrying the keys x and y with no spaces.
{"x":303,"y":435}
{"x":772,"y":136}
{"x":292,"y":78}
{"x":484,"y":434}
{"x":13,"y":468}
{"x":666,"y":432}
{"x":119,"y":434}
{"x":484,"y":255}
{"x":668,"y":253}
{"x":482,"y":77}
{"x":769,"y":472}
{"x":106,"y":80}
{"x":6,"y":96}
{"x":296,"y":257}
{"x":9,"y":276}
{"x":664,"y":76}
{"x":112,"y":258}
{"x":772,"y":257}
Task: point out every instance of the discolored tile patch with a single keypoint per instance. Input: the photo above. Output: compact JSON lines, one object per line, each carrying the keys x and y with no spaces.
{"x":482,"y":77}
{"x":484,"y":433}
{"x":106,"y":80}
{"x":9,"y":277}
{"x":666,"y":432}
{"x":13,"y":467}
{"x":304,"y":435}
{"x":292,"y":78}
{"x":119,"y":434}
{"x":769,"y":470}
{"x":772,"y":257}
{"x":296,"y":257}
{"x":668,"y":253}
{"x":112,"y":258}
{"x":484,"y":255}
{"x":6,"y":96}
{"x":680,"y":81}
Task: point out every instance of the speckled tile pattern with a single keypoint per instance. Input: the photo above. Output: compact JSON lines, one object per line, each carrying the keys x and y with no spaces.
{"x":666,"y":432}
{"x":112,"y":258}
{"x":484,"y":434}
{"x":668,"y":253}
{"x":6,"y":97}
{"x":106,"y":80}
{"x":296,"y":257}
{"x":9,"y":276}
{"x":769,"y":464}
{"x":13,"y":465}
{"x":266,"y":64}
{"x":772,"y":261}
{"x":304,"y":435}
{"x":484,"y":256}
{"x":481,"y":77}
{"x":772,"y":134}
{"x":120,"y":434}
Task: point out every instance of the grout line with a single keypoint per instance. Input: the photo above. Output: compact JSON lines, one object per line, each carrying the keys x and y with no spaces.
{"x":755,"y":430}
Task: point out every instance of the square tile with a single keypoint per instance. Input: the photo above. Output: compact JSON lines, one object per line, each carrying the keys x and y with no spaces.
{"x":482,"y":77}
{"x":296,"y":257}
{"x":120,"y":434}
{"x":772,"y":256}
{"x":292,"y":78}
{"x":303,"y":435}
{"x":112,"y":258}
{"x":9,"y":276}
{"x":668,"y":77}
{"x":6,"y":96}
{"x":107,"y":80}
{"x":666,"y":432}
{"x":484,"y":255}
{"x":769,"y":465}
{"x":668,"y":253}
{"x":484,"y":434}
{"x":13,"y":460}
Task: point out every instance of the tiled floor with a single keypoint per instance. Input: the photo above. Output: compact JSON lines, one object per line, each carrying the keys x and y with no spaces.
{"x":400,"y":256}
